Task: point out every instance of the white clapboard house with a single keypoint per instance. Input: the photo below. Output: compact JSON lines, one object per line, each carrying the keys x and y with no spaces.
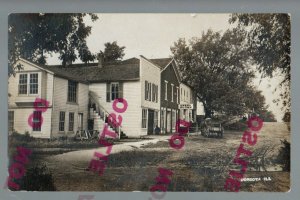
{"x":80,"y":96}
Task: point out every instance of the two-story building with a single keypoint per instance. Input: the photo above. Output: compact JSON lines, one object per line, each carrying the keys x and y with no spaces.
{"x":170,"y":82}
{"x":81,"y":95}
{"x":67,"y":96}
{"x":188,"y":103}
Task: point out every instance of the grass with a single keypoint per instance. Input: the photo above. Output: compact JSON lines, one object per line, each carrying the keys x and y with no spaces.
{"x":136,"y":158}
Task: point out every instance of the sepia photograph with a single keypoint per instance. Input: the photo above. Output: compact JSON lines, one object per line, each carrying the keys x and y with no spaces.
{"x":150,"y":102}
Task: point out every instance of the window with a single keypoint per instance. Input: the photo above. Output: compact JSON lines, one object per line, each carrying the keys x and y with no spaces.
{"x":155,"y":118}
{"x":153,"y":92}
{"x":187,"y":95}
{"x":166,"y":90}
{"x":114,"y":91}
{"x":146,"y":90}
{"x":177,"y":94}
{"x":33,"y":87}
{"x":23,"y":84}
{"x":11,"y":117}
{"x":156,"y":94}
{"x":172,"y":92}
{"x":37,"y":120}
{"x":149,"y":91}
{"x":71,"y":121}
{"x":181,"y":94}
{"x":72,"y":91}
{"x":144,"y":118}
{"x":32,"y":82}
{"x":61,"y":121}
{"x":184,"y":95}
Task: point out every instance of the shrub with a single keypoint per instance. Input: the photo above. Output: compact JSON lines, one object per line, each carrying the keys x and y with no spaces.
{"x":21,"y":137}
{"x":237,"y":126}
{"x":284,"y":155}
{"x":37,"y":178}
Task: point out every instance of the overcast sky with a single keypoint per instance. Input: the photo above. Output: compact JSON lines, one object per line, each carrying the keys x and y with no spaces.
{"x":152,"y":35}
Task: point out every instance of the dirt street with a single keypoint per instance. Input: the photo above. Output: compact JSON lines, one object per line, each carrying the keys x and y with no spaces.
{"x":201,"y":165}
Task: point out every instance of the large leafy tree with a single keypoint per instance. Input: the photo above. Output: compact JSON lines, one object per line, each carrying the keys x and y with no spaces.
{"x":269,"y":42}
{"x":112,"y":52}
{"x":216,"y":65}
{"x":33,"y":36}
{"x":267,"y":116}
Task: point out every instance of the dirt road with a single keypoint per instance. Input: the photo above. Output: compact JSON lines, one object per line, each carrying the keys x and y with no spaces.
{"x":201,"y":165}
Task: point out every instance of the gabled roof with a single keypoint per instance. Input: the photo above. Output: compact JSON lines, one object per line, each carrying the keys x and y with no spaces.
{"x":126,"y":70}
{"x":161,"y":62}
{"x":114,"y":71}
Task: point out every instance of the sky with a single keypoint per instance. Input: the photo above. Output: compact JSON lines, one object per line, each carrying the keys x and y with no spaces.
{"x":151,"y":35}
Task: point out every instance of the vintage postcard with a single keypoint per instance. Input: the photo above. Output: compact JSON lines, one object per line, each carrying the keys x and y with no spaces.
{"x":149,"y":102}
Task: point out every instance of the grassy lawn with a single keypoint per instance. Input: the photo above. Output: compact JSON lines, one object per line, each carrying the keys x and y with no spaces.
{"x":202,"y":164}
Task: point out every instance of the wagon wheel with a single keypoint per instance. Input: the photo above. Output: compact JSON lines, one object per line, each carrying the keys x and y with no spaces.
{"x":206,"y":132}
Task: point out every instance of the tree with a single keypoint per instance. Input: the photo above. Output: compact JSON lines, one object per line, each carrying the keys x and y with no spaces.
{"x":32,"y":36}
{"x":269,"y":42}
{"x":112,"y":52}
{"x":216,"y":66}
{"x":267,"y":116}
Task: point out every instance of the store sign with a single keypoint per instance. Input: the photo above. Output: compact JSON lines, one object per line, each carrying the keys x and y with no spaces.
{"x":186,"y":106}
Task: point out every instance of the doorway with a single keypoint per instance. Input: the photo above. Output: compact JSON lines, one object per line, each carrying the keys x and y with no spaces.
{"x":80,"y":121}
{"x":169,"y":122}
{"x":150,"y":129}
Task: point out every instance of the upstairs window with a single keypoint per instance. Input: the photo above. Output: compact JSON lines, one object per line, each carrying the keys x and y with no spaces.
{"x":33,"y":89}
{"x":151,"y":92}
{"x":166,"y":90}
{"x":146,"y":90}
{"x":72,"y":91}
{"x":172,"y":92}
{"x":32,"y":82}
{"x":23,"y":84}
{"x":114,"y":91}
{"x":181,"y":94}
{"x":177,"y":95}
{"x":154,"y":93}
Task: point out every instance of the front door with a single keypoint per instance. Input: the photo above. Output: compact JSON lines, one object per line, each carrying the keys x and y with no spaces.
{"x":80,"y":121}
{"x":169,"y":122}
{"x":150,"y":129}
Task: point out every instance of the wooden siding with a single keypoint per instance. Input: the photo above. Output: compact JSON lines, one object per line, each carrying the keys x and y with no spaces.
{"x":170,"y":107}
{"x":188,"y":98}
{"x":169,"y":75}
{"x":131,"y":124}
{"x":23,"y":111}
{"x":21,"y":122}
{"x":60,"y":104}
{"x":188,"y":92}
{"x":151,"y":73}
{"x":13,"y":84}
